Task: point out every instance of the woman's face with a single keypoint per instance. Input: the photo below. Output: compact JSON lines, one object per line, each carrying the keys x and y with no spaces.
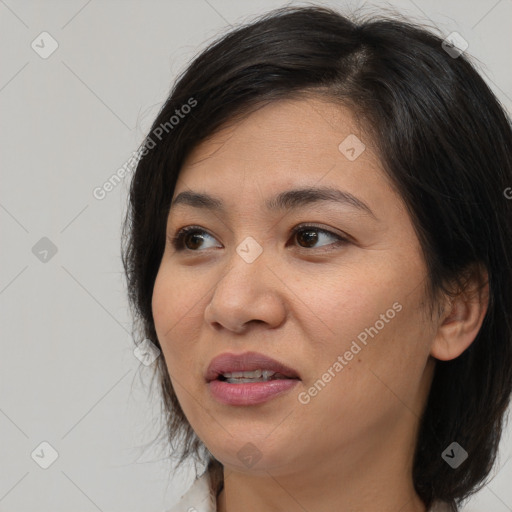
{"x":341,"y":302}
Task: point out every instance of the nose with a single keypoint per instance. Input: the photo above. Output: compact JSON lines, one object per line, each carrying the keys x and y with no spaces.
{"x":246,"y":294}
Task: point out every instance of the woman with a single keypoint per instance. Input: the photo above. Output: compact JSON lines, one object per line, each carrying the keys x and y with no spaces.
{"x":319,"y":243}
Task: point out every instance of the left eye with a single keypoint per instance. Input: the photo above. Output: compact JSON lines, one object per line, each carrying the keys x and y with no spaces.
{"x":310,"y":235}
{"x":307,"y":235}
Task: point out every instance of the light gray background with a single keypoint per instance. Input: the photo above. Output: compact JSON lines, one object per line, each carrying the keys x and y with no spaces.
{"x":68,"y":375}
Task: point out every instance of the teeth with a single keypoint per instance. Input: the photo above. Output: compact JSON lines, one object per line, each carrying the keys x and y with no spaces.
{"x":242,"y":381}
{"x":254,"y":376}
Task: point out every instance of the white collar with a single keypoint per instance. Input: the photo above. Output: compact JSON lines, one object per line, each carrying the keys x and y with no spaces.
{"x":198,"y":498}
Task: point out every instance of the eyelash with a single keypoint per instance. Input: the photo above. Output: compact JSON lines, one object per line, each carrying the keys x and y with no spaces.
{"x":177,"y":241}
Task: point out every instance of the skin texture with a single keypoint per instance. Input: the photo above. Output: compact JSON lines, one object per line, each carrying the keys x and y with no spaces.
{"x":351,"y":446}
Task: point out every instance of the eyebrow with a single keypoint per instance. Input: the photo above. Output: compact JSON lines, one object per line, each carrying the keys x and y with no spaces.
{"x":287,"y":200}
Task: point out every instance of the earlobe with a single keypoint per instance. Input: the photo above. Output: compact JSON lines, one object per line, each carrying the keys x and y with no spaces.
{"x":462,"y":318}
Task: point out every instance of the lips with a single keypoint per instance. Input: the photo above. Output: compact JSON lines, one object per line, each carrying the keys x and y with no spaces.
{"x":247,"y":362}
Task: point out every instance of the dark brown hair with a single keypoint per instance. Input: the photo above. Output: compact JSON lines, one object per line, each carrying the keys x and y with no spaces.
{"x":443,"y":139}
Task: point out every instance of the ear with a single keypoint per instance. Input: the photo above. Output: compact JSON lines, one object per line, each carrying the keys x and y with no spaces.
{"x":462,"y":316}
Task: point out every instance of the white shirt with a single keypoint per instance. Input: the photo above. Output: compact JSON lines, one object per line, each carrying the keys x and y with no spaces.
{"x":199,"y":498}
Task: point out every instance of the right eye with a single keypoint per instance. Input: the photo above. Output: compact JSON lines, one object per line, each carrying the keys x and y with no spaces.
{"x":187,"y":237}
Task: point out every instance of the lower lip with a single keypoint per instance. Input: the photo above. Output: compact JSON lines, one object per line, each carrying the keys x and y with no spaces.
{"x":249,"y":393}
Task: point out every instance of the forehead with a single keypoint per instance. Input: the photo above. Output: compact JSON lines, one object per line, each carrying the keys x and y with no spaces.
{"x":291,"y":130}
{"x":287,"y":144}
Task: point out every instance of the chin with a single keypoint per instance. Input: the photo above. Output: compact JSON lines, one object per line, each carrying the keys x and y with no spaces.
{"x":249,"y":455}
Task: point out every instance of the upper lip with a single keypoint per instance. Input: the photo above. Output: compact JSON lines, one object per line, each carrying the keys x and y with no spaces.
{"x":248,"y":361}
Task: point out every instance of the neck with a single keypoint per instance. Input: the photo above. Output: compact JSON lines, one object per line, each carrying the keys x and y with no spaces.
{"x":364,"y":485}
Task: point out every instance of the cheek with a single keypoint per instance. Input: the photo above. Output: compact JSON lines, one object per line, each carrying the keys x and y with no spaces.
{"x":172,"y":305}
{"x":162,"y":305}
{"x":177,"y":315}
{"x":178,"y":303}
{"x":377,"y":381}
{"x":373,"y":317}
{"x":346,"y":306}
{"x":176,"y":295}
